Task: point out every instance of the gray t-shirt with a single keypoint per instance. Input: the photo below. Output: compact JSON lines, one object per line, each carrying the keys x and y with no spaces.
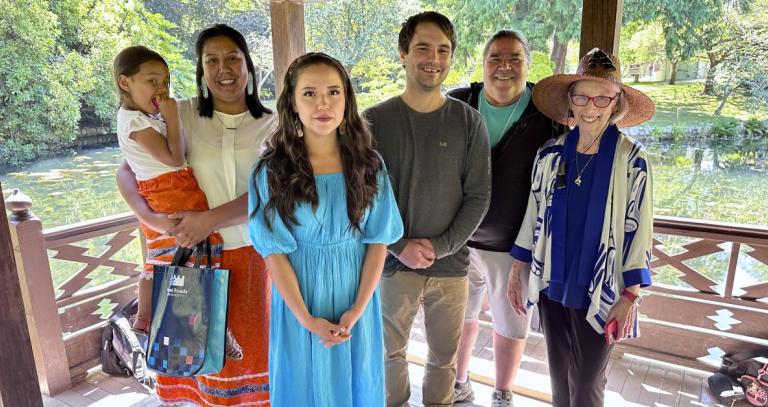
{"x":439,"y":163}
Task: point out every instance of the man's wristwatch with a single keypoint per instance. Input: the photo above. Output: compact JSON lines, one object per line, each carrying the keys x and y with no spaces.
{"x":634,"y":299}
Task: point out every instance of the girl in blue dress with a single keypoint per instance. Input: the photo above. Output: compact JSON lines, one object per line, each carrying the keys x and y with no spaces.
{"x":322,"y":213}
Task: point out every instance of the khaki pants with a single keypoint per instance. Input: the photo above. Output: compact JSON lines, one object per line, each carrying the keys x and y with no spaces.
{"x":443,"y":299}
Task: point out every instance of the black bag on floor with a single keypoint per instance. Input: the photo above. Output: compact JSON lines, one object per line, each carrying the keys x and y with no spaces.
{"x":742,"y":376}
{"x":123,"y":348}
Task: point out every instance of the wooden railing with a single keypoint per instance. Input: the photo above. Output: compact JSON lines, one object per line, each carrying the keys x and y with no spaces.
{"x":689,"y":316}
{"x":66,"y":320}
{"x":709,"y":294}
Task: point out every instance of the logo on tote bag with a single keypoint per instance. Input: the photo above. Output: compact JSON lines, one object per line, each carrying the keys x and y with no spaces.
{"x":177,"y":280}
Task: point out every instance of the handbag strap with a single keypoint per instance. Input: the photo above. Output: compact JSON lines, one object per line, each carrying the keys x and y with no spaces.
{"x":203,"y":248}
{"x":181,"y":256}
{"x":733,"y":366}
{"x":183,"y":253}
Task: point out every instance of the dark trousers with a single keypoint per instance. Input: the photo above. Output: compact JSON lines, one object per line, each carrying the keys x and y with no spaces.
{"x":577,"y":355}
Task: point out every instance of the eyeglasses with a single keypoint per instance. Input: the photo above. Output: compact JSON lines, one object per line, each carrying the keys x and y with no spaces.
{"x":598,"y":101}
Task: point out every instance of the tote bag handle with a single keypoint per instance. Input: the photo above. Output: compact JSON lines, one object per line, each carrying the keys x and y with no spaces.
{"x":183,"y":253}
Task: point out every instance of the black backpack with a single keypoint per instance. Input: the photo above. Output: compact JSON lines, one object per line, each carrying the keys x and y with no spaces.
{"x":742,"y":376}
{"x":123,"y":348}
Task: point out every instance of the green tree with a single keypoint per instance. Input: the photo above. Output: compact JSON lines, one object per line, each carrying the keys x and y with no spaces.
{"x":541,"y":66}
{"x":362,"y":34}
{"x":38,"y":99}
{"x":744,"y":66}
{"x":556,"y":21}
{"x":682,"y":21}
{"x":719,"y":40}
{"x":641,"y":43}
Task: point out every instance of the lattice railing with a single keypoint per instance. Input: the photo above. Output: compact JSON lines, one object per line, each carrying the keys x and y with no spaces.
{"x":709,"y":293}
{"x":75,"y":276}
{"x":84,"y":304}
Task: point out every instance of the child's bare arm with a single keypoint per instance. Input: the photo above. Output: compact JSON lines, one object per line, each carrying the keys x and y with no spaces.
{"x":168,"y":150}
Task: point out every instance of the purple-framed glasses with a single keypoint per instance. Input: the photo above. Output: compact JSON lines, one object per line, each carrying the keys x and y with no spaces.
{"x":598,"y":101}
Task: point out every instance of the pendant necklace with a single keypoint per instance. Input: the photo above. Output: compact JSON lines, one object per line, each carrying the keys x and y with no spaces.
{"x":237,"y":124}
{"x":577,"y":181}
{"x":506,"y":126}
{"x":514,"y":110}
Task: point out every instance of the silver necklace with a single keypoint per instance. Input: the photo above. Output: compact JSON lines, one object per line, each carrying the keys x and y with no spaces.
{"x":509,"y":119}
{"x":577,"y":181}
{"x":514,"y":109}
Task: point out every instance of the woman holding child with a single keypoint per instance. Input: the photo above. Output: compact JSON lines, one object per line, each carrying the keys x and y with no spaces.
{"x":224,"y":127}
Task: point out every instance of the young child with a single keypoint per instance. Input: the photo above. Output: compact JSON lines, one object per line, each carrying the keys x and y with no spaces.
{"x":150,"y":136}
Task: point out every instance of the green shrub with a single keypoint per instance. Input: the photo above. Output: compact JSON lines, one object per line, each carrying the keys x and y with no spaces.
{"x":679,"y":133}
{"x":724,"y":127}
{"x":657,"y":133}
{"x":755,"y":127}
{"x":541,"y":66}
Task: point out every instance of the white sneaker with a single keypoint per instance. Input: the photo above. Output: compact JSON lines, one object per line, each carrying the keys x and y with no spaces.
{"x":462,"y":392}
{"x":501,"y":398}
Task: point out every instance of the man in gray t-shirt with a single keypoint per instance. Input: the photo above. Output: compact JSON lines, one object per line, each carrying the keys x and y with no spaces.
{"x":436,"y":151}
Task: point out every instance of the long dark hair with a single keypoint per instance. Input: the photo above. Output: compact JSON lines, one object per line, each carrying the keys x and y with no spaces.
{"x":205,"y":105}
{"x":290,"y":177}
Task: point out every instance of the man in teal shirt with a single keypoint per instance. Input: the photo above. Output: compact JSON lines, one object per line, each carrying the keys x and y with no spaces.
{"x":516,"y":130}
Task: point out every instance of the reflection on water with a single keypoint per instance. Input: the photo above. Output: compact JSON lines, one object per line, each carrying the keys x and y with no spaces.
{"x":723,"y":180}
{"x":71,"y":189}
{"x":715,"y":180}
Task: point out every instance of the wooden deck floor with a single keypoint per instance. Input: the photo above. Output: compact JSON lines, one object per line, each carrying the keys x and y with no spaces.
{"x":632,"y":381}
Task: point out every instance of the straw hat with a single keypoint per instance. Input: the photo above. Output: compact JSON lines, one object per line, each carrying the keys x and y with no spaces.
{"x":550,"y":94}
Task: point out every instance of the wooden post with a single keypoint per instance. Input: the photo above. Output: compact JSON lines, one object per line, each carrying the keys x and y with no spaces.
{"x":601,"y":25}
{"x":34,"y":276}
{"x":18,"y":382}
{"x":287,"y":36}
{"x":732,"y":263}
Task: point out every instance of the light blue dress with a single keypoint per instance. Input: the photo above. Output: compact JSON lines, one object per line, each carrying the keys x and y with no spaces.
{"x":327,"y":257}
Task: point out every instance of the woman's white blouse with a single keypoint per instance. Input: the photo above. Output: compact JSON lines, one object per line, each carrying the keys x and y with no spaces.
{"x":221,"y":151}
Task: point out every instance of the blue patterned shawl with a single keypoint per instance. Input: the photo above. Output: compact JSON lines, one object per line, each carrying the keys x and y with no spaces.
{"x":618,"y":231}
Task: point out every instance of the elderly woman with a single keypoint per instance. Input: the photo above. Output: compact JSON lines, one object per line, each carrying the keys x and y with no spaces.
{"x":586,"y":236}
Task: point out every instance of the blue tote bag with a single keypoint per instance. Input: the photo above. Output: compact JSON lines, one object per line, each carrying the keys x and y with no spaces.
{"x":189,"y":316}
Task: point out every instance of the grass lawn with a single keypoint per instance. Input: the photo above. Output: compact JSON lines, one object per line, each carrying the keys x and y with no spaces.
{"x":684,"y":104}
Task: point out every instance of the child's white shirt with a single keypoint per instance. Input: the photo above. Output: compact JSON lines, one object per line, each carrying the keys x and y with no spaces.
{"x":141,"y":162}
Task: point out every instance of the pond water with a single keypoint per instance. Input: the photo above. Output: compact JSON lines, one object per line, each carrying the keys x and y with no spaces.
{"x":721,"y":180}
{"x":715,"y":180}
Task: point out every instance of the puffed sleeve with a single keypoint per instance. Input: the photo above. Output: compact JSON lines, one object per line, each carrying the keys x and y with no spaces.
{"x":266,"y":240}
{"x":142,"y":121}
{"x":384,"y":224}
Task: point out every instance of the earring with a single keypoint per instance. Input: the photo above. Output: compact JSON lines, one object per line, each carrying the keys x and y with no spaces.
{"x":205,"y":88}
{"x":249,"y":88}
{"x":343,"y":128}
{"x":297,"y":125}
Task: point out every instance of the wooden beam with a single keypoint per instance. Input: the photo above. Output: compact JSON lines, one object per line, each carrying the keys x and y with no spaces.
{"x":287,"y":36}
{"x":18,"y":378}
{"x":600,"y":25}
